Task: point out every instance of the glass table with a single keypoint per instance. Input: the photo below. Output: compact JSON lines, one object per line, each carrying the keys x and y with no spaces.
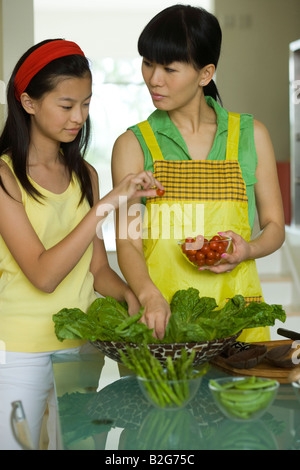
{"x":100,"y":407}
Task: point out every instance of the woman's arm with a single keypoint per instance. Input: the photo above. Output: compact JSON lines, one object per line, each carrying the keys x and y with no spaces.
{"x":46,"y":268}
{"x":268,"y":204}
{"x":128,"y":156}
{"x":268,"y":197}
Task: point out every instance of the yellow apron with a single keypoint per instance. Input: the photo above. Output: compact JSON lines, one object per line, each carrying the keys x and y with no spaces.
{"x":201,"y":197}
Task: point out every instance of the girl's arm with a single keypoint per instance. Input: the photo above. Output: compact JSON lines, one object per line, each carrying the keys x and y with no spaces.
{"x":128,"y":156}
{"x":106,"y":280}
{"x":46,"y":268}
{"x":269,"y":207}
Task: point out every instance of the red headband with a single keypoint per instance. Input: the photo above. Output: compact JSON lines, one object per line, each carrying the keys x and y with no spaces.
{"x":40,"y":57}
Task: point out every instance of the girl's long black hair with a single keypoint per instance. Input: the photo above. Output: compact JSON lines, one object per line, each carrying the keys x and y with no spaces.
{"x":182,"y":33}
{"x":15,"y":137}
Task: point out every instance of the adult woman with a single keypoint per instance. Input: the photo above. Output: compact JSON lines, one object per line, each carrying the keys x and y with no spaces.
{"x":229,"y":156}
{"x":50,"y":254}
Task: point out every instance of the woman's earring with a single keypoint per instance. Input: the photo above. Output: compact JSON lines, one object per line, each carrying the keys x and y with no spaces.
{"x":202,"y":84}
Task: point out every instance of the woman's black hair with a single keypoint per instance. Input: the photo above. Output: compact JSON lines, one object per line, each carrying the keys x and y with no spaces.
{"x":182,"y":33}
{"x":15,"y":137}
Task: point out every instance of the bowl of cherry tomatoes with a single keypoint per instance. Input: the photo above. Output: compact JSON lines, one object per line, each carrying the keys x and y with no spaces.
{"x":204,"y":251}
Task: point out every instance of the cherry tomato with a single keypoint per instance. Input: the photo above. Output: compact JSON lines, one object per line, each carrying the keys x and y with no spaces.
{"x":183,"y":247}
{"x":200,"y":255}
{"x":200,"y":262}
{"x":221,"y":248}
{"x":214,"y":245}
{"x":225,"y":244}
{"x":205,"y":248}
{"x":192,"y":258}
{"x":160,"y":192}
{"x":191,"y":252}
{"x":210,"y":254}
{"x":215,"y":238}
{"x":210,"y":261}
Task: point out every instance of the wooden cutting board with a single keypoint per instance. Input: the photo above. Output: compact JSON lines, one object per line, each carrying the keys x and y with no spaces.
{"x":264,"y":369}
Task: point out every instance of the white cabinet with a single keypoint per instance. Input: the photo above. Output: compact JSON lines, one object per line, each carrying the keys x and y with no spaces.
{"x":294,"y":75}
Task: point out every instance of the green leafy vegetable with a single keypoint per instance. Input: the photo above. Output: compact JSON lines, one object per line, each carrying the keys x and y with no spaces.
{"x":73,"y":324}
{"x":194,"y":316}
{"x":106,"y":319}
{"x":193,"y":319}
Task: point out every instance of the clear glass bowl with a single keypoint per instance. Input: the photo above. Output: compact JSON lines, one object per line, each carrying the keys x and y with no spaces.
{"x":243,"y":404}
{"x":296,"y":387}
{"x":169,"y":394}
{"x":207,"y":252}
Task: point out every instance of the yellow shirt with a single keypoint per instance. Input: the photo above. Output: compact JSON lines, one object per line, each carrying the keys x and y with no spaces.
{"x":26,"y":323}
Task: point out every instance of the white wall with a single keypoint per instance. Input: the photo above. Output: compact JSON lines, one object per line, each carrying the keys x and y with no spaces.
{"x":17,"y":32}
{"x":16,"y":35}
{"x":102,"y":28}
{"x":253,"y":73}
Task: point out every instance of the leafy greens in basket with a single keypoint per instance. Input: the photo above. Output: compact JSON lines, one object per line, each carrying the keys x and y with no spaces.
{"x":193,"y":319}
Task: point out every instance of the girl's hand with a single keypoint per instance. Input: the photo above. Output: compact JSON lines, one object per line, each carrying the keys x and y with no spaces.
{"x":132,"y":302}
{"x":135,"y":186}
{"x":241,"y":251}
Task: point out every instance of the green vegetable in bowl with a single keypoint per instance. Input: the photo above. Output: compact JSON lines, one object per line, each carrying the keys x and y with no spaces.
{"x":243,"y":398}
{"x":193,"y":319}
{"x":171,"y":386}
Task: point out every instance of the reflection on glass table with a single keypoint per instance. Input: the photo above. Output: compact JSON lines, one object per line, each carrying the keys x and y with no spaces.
{"x":101,"y":407}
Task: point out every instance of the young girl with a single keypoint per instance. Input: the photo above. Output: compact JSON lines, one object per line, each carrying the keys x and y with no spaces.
{"x":208,"y":159}
{"x":51,"y":251}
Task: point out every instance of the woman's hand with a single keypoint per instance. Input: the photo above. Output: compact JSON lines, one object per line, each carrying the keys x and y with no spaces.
{"x":241,"y":251}
{"x":156,"y":315}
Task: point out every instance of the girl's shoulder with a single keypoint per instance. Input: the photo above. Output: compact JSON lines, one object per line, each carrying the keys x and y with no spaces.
{"x":8,"y":178}
{"x":6,"y":167}
{"x":5,"y":160}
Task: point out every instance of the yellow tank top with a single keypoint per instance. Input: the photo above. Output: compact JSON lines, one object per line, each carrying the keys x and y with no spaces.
{"x":26,"y":323}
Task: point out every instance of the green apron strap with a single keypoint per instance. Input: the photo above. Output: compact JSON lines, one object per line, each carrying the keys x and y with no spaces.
{"x":150,"y":140}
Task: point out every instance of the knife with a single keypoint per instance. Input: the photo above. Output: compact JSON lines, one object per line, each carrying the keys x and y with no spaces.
{"x":288,"y":333}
